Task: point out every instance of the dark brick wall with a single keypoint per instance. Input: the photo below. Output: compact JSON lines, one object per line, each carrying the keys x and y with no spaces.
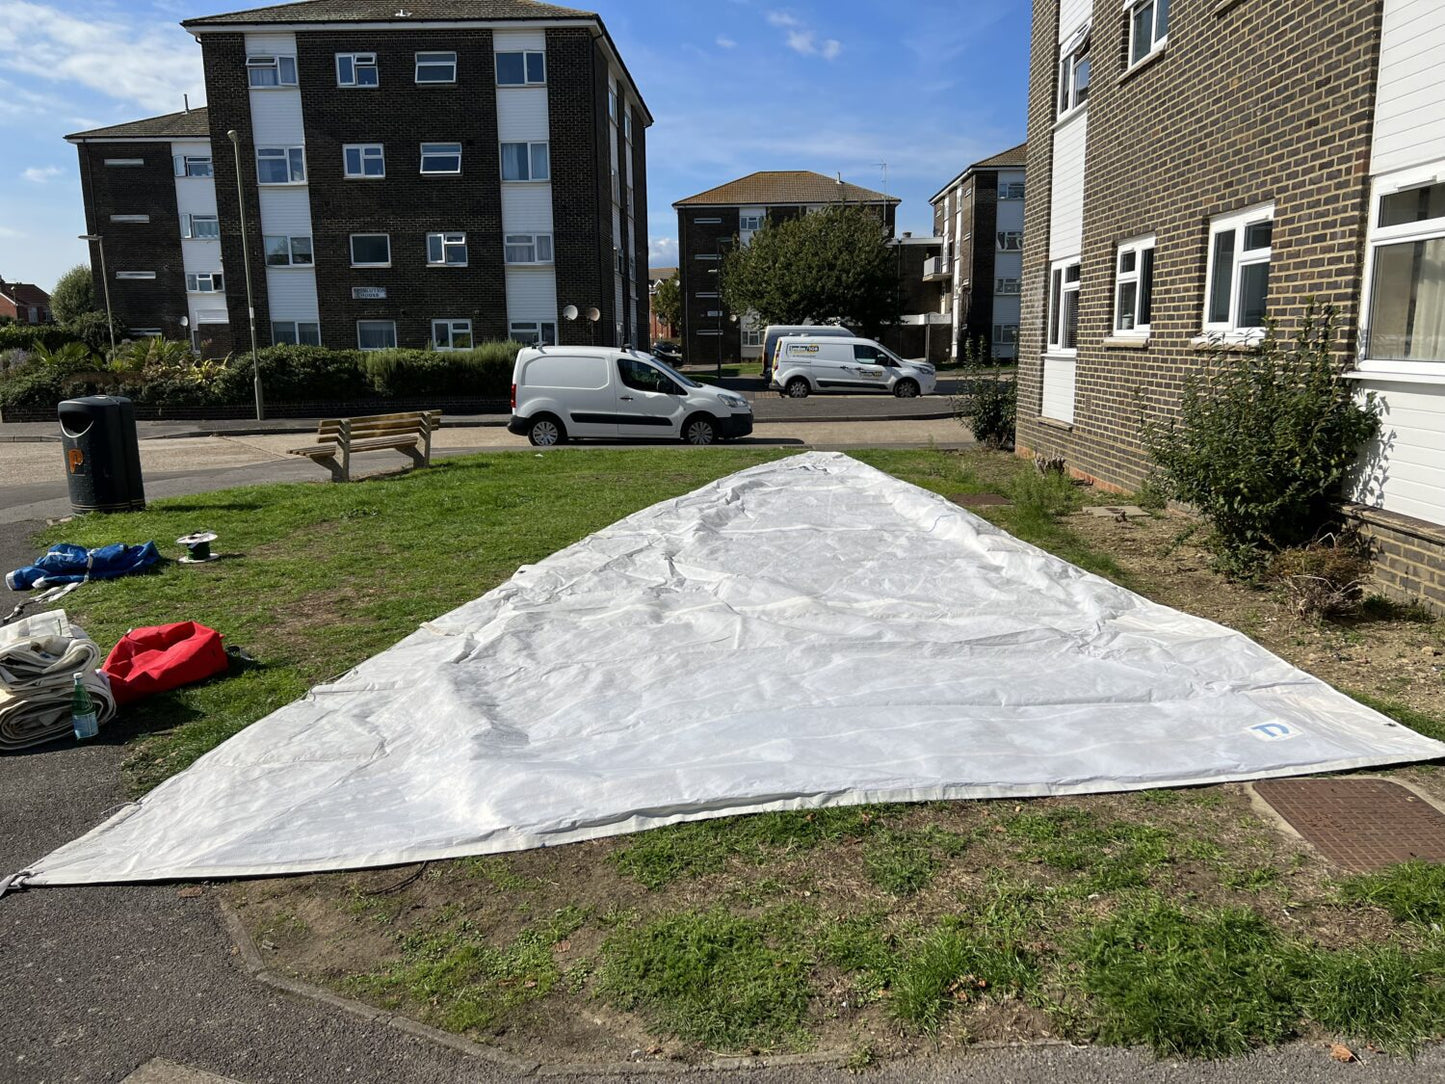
{"x":152,"y":246}
{"x":982,"y":247}
{"x":1216,"y":123}
{"x":1409,"y":556}
{"x":700,"y":239}
{"x":641,"y":334}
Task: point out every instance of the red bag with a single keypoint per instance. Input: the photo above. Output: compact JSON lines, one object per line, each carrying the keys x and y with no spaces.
{"x":153,"y":660}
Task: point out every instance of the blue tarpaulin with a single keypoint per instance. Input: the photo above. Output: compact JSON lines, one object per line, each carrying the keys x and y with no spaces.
{"x":67,"y":563}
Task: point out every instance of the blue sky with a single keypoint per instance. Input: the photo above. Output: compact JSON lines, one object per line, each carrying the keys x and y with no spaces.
{"x":926,"y":86}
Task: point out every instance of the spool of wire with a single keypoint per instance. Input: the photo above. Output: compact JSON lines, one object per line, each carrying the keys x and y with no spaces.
{"x":198,"y":547}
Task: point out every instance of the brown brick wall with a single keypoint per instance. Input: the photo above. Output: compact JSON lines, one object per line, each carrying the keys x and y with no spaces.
{"x":1409,"y":556}
{"x":1249,"y":103}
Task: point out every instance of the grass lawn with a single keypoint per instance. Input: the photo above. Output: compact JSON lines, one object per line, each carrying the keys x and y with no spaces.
{"x":1176,"y":919}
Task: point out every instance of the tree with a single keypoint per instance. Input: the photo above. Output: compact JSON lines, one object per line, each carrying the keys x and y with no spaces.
{"x":667,"y":302}
{"x":74,"y":295}
{"x":832,"y":266}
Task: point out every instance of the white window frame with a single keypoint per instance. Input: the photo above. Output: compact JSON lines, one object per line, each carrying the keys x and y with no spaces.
{"x":296,"y":326}
{"x":535,"y":242}
{"x":130,"y":219}
{"x":1238,"y":221}
{"x":189,"y":165}
{"x":526,"y":55}
{"x":1011,"y":190}
{"x":1137,"y":247}
{"x":434,"y":60}
{"x":209,"y":282}
{"x":533,"y":328}
{"x":351,"y":249}
{"x":135,"y":276}
{"x":284,"y":68}
{"x":1070,"y":95}
{"x":752,"y":336}
{"x":384,"y":324}
{"x":443,"y":151}
{"x":1006,"y":335}
{"x":125,"y":161}
{"x":531,"y":146}
{"x":1157,"y":38}
{"x":445,"y":244}
{"x":292,"y":260}
{"x":1010,"y":241}
{"x":1061,"y":284}
{"x":357,"y":62}
{"x":757,"y":221}
{"x":1006,"y":286}
{"x":292,"y":157}
{"x":365,"y":153}
{"x":452,"y":328}
{"x":188,"y":227}
{"x":1430,"y":229}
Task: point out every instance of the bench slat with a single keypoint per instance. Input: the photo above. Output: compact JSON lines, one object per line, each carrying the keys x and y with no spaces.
{"x":337,"y":438}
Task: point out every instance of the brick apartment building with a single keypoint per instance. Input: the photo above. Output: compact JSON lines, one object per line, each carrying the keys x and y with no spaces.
{"x":709,"y":223}
{"x":429,"y":172}
{"x":979,"y":215}
{"x":659,"y":328}
{"x":1198,"y":168}
{"x":24,"y":302}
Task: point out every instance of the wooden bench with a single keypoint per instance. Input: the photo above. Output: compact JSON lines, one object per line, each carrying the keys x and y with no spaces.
{"x":337,"y":438}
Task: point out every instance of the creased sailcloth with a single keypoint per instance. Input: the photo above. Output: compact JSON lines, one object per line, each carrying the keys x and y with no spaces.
{"x":804,"y":633}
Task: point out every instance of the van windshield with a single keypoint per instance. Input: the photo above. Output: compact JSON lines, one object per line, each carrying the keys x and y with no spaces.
{"x":686,"y":382}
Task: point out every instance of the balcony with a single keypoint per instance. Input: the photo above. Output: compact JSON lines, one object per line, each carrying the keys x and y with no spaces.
{"x":936,"y":269}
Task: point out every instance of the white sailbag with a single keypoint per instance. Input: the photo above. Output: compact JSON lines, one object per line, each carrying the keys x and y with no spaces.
{"x":805,"y":633}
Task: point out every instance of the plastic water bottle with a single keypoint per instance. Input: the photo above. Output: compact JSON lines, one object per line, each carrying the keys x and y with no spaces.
{"x":82,"y":711}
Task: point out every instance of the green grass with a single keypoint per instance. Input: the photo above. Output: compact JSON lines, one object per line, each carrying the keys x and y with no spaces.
{"x":952,"y":966}
{"x":1110,"y":856}
{"x":1378,"y":994}
{"x":1411,"y":892}
{"x":1418,"y":721}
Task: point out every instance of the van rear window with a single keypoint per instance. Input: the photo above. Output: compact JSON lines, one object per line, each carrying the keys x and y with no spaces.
{"x":555,"y":371}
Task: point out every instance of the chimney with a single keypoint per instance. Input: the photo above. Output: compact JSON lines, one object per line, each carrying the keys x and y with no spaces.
{"x":187,"y":99}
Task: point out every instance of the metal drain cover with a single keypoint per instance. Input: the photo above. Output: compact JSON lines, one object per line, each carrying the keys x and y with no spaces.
{"x":1360,"y":824}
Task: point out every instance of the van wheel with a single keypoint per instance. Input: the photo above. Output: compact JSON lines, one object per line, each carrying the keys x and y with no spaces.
{"x":797,"y":388}
{"x":906,"y":389}
{"x":699,"y":429}
{"x":546,"y":432}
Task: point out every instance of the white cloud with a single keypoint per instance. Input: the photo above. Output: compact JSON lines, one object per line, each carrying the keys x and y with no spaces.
{"x":726,"y":43}
{"x":801,"y":41}
{"x":802,"y":38}
{"x":41,"y":174}
{"x":831,"y":48}
{"x":782,"y":18}
{"x":662,"y":252}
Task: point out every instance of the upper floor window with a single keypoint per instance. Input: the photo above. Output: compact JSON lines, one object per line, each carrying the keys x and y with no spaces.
{"x":452,"y":334}
{"x":1134,"y":287}
{"x":612,"y":104}
{"x":371,"y":250}
{"x":1407,"y":284}
{"x":1005,"y":285}
{"x":194,"y":165}
{"x":1148,"y":27}
{"x":525,"y":162}
{"x":357,"y":70}
{"x":205,"y":284}
{"x":528,"y":248}
{"x":146,"y":275}
{"x":750,"y":222}
{"x":363,"y":160}
{"x":271,"y":71}
{"x":446,"y":249}
{"x":521,"y":69}
{"x":627,"y":126}
{"x":204,"y":227}
{"x":1011,"y":190}
{"x":1011,"y":240}
{"x":1064,"y":306}
{"x":436,"y":67}
{"x":282,"y":251}
{"x":280,"y":165}
{"x":1074,"y":77}
{"x":533,"y":332}
{"x":1238,"y":275}
{"x":441,"y":157}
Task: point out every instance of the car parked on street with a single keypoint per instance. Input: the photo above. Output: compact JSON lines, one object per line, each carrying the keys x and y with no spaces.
{"x":562,"y":393}
{"x":773,"y":332}
{"x":805,"y":365}
{"x":666,"y":351}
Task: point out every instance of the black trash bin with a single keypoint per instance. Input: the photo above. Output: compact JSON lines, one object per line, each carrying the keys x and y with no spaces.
{"x":102,"y":454}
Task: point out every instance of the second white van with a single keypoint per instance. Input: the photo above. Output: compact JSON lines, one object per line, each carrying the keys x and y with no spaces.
{"x":805,"y":365}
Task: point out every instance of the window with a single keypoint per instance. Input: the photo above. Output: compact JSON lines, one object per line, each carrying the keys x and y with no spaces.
{"x":528,"y":247}
{"x":752,"y":336}
{"x":1148,"y":27}
{"x":708,"y":256}
{"x":137,"y":275}
{"x":707,"y":221}
{"x":1005,"y":334}
{"x":357,"y":70}
{"x":521,"y":69}
{"x":525,"y":162}
{"x":295,"y":333}
{"x":441,"y":157}
{"x":533,"y":333}
{"x":371,"y":250}
{"x":1005,"y":286}
{"x":194,"y":165}
{"x":376,"y":334}
{"x":205,"y":284}
{"x":750,"y":222}
{"x":203,"y":227}
{"x":280,"y":165}
{"x":271,"y":71}
{"x":436,"y":67}
{"x":1011,"y":190}
{"x":639,"y":376}
{"x":1011,"y":240}
{"x":1074,"y":76}
{"x":452,"y":334}
{"x":446,"y":249}
{"x":1134,"y":287}
{"x":363,"y":160}
{"x":612,"y":103}
{"x":1238,"y":276}
{"x":130,"y":218}
{"x":1064,"y":306}
{"x":288,"y":252}
{"x":1407,"y":295}
{"x":125,"y":161}
{"x":627,"y":126}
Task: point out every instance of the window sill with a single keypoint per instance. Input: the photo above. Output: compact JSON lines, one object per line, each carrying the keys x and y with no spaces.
{"x":440,"y":173}
{"x":1375,"y":376}
{"x":540,"y":180}
{"x":1127,"y":342}
{"x":446,"y":266}
{"x":1224,"y":7}
{"x":363,"y":176}
{"x":1139,"y":66}
{"x":1056,"y":423}
{"x":370,"y":266}
{"x":1233,"y":342}
{"x":1065,"y":119}
{"x":1056,"y":354}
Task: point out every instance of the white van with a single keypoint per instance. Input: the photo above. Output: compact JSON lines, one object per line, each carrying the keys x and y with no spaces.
{"x":562,"y":393}
{"x":773,"y":332}
{"x":804,"y":366}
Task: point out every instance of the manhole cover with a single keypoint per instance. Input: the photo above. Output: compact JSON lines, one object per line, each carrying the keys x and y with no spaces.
{"x":979,"y":500}
{"x":1360,"y":824}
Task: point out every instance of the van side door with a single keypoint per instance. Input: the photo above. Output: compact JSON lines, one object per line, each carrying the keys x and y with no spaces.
{"x":649,"y":402}
{"x":872,"y":368}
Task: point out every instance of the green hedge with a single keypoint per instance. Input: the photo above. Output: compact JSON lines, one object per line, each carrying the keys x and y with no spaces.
{"x":29,"y":336}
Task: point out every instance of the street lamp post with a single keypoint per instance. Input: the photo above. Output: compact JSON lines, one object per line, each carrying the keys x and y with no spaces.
{"x":235,"y":139}
{"x":105,"y":285}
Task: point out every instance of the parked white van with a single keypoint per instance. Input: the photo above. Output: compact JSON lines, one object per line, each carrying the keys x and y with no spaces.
{"x":773,"y":332}
{"x":562,"y":393}
{"x":806,"y":365}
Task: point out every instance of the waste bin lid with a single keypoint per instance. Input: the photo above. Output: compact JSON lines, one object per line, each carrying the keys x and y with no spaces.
{"x":78,"y":415}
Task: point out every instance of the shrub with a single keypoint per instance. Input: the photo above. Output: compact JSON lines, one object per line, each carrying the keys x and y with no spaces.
{"x":295,"y":374}
{"x":485,"y":371}
{"x":988,"y":404}
{"x":92,"y":329}
{"x":1324,"y":579}
{"x":74,"y":294}
{"x":1263,"y":442}
{"x":50,"y":376}
{"x":28,"y":336}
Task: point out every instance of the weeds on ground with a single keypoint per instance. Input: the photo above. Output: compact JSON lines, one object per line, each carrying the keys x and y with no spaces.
{"x":1412,"y":892}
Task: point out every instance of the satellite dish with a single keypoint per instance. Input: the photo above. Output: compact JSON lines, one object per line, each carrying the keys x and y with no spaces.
{"x":570,"y":312}
{"x":594,"y":314}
